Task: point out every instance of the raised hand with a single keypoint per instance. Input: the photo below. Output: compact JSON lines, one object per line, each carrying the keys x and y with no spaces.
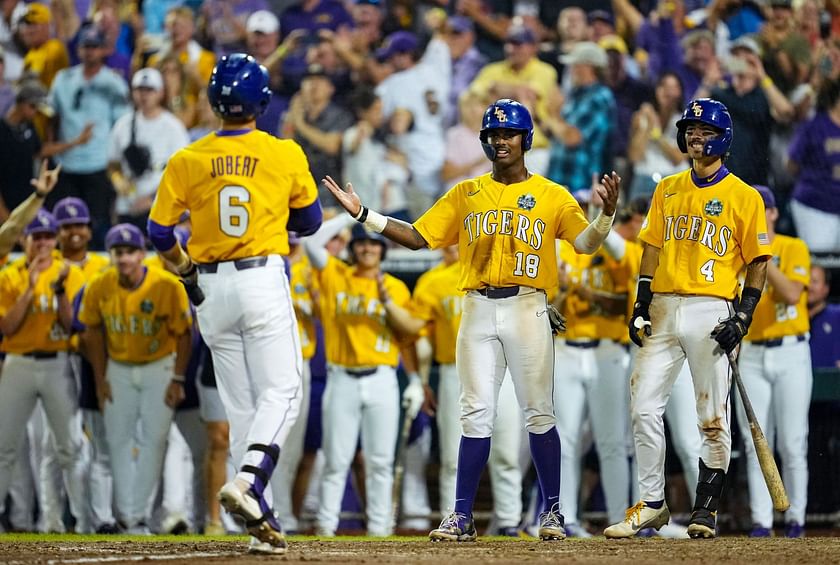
{"x":47,"y":179}
{"x":348,"y":199}
{"x":607,"y":191}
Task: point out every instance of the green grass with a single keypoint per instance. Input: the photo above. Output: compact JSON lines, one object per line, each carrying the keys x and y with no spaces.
{"x":97,"y":538}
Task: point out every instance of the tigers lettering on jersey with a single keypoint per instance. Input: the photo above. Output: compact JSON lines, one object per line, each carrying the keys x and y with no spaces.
{"x":706,"y":234}
{"x":141,"y":324}
{"x":40,"y":329}
{"x":358,"y":335}
{"x":436,"y":299}
{"x":774,"y":317}
{"x":596,"y":274}
{"x":501,"y":230}
{"x":238,"y":187}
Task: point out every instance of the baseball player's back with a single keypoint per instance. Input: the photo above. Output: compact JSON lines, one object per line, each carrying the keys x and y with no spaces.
{"x":244,"y":189}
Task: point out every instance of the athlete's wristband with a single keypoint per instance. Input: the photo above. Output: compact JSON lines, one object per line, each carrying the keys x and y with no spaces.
{"x":375,"y":221}
{"x":58,"y":289}
{"x":41,"y":194}
{"x":362,"y":215}
{"x":180,"y":379}
{"x":643,"y":294}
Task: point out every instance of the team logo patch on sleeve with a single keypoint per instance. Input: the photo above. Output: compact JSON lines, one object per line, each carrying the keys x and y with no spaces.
{"x":763,"y":239}
{"x":713,"y":207}
{"x":526,"y":202}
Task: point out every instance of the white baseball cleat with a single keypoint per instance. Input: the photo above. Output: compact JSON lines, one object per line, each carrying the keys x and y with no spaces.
{"x":552,"y":526}
{"x":244,"y":505}
{"x":639,"y":517}
{"x":258,"y":547}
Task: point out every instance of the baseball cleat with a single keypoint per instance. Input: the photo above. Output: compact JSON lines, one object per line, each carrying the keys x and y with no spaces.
{"x":794,"y":530}
{"x":759,"y":531}
{"x":702,"y":524}
{"x":637,"y":518}
{"x":258,"y":547}
{"x":246,"y":506}
{"x":455,"y":527}
{"x":552,"y":526}
{"x":576,"y":531}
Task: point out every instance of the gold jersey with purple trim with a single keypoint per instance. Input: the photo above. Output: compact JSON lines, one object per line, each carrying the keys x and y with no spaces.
{"x":301,"y":285}
{"x":596,"y":273}
{"x":505,"y":233}
{"x":141,"y":324}
{"x":355,"y":331}
{"x":238,"y":187}
{"x":706,"y":234}
{"x":40,"y":329}
{"x":437,"y":299}
{"x":773,"y":317}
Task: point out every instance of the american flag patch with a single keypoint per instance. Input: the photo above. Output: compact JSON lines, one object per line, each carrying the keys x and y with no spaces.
{"x":763,"y":239}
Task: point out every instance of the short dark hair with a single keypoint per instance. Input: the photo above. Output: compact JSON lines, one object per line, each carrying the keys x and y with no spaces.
{"x":362,"y":99}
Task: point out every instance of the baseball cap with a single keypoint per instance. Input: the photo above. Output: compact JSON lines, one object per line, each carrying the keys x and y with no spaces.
{"x":33,"y":92}
{"x":91,"y":36}
{"x":44,"y":222}
{"x":696,"y":35}
{"x":520,"y":34}
{"x":613,"y":42}
{"x":127,"y":235}
{"x":262,"y":21}
{"x":745,"y":42}
{"x":602,"y":16}
{"x":37,"y":13}
{"x":766,"y":195}
{"x":460,"y":24}
{"x":585,"y":53}
{"x":147,"y":78}
{"x":71,"y":210}
{"x":397,"y":42}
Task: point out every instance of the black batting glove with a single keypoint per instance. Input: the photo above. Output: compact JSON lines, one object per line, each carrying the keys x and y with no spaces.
{"x":640,"y":319}
{"x":189,"y":279}
{"x":731,"y":331}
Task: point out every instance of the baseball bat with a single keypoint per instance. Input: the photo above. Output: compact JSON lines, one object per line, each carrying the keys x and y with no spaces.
{"x":762,"y":449}
{"x":399,"y":463}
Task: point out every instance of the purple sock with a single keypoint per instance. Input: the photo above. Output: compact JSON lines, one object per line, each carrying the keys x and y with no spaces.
{"x":472,"y":458}
{"x":545,"y":451}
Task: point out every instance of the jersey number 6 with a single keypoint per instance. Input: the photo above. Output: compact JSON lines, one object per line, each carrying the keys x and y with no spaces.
{"x":233,"y":217}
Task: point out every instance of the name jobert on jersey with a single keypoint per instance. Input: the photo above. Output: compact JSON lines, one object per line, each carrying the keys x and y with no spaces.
{"x":233,"y":165}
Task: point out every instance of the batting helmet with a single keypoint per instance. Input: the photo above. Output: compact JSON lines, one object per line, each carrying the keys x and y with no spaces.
{"x":359,"y":233}
{"x":238,"y":87}
{"x":712,"y":113}
{"x":506,"y":114}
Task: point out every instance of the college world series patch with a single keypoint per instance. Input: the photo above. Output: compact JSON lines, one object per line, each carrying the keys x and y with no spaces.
{"x":713,"y":207}
{"x":526,"y":202}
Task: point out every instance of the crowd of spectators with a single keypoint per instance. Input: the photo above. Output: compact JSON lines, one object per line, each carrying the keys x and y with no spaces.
{"x":380,"y":92}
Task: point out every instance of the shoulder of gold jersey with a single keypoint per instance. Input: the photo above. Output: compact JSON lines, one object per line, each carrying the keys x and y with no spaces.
{"x":161,"y":273}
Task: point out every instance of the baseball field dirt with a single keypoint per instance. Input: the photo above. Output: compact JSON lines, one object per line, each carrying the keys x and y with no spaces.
{"x":418,"y":550}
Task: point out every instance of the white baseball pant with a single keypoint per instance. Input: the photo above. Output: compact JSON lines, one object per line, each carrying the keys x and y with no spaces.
{"x":370,"y":404}
{"x":592,"y":375}
{"x":99,"y":480}
{"x":778,"y":381}
{"x":415,"y":507}
{"x":681,"y":327}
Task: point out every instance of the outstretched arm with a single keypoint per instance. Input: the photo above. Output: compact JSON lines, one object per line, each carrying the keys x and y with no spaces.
{"x":392,"y":228}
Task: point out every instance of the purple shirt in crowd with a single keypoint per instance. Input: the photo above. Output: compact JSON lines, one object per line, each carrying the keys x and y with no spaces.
{"x":666,"y":54}
{"x":328,"y":14}
{"x":464,"y":70}
{"x":816,"y":149}
{"x":825,"y":337}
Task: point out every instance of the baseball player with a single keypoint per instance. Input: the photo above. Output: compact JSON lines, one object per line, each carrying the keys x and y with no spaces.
{"x":704,"y":225}
{"x":775,"y":363}
{"x":301,"y":280}
{"x":504,"y":223}
{"x":35,"y":319}
{"x":367,"y":314}
{"x":590,"y":364}
{"x":244,"y":189}
{"x":437,"y":300}
{"x":140,"y":318}
{"x":74,"y":235}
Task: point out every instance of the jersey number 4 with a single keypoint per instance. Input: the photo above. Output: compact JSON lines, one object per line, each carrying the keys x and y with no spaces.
{"x":708,"y":269}
{"x":233,"y":216}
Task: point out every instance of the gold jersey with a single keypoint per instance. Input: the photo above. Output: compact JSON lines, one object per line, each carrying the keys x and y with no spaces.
{"x":355,"y":331}
{"x":598,"y":273}
{"x":40,"y":329}
{"x":141,"y":324}
{"x":706,"y":234}
{"x":774,"y":318}
{"x":437,"y":299}
{"x":300,"y":284}
{"x":238,"y":187}
{"x":505,"y":233}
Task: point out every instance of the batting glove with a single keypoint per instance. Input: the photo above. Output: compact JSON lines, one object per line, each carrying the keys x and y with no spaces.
{"x":413,"y":396}
{"x":731,"y":331}
{"x":189,"y":279}
{"x":640,"y":319}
